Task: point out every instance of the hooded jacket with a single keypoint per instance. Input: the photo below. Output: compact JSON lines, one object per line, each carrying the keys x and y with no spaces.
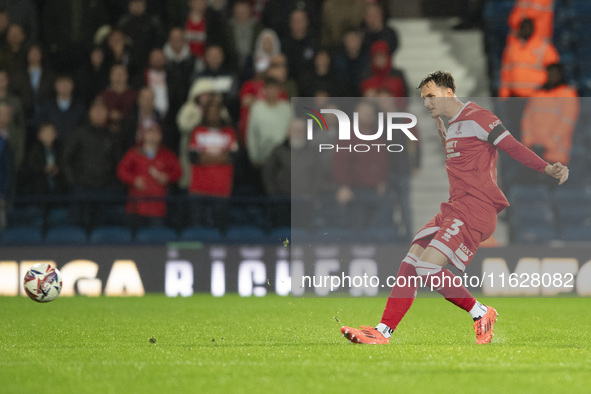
{"x":384,"y":77}
{"x":190,"y":116}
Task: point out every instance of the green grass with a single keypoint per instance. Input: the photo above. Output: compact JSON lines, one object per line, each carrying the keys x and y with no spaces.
{"x":287,"y":345}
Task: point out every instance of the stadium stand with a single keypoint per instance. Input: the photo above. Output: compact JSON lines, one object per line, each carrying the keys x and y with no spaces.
{"x":111,"y":235}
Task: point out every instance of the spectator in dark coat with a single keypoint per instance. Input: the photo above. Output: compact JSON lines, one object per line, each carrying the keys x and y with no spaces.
{"x":352,"y":63}
{"x":119,"y":97}
{"x":63,"y":111}
{"x":93,"y":77}
{"x":23,"y":13}
{"x":91,"y":152}
{"x":321,"y":78}
{"x":68,"y":28}
{"x":243,"y":30}
{"x":118,"y":51}
{"x":299,"y":45}
{"x":34,"y":84}
{"x":89,"y":163}
{"x":179,"y":70}
{"x":376,"y":28}
{"x":14,"y":102}
{"x":13,"y":55}
{"x":41,"y":173}
{"x":216,"y":71}
{"x":277,"y":13}
{"x":362,"y":179}
{"x":145,"y":32}
{"x":16,"y":137}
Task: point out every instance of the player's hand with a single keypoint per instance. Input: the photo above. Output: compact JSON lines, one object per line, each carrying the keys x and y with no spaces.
{"x":557,"y":171}
{"x":441,"y":130}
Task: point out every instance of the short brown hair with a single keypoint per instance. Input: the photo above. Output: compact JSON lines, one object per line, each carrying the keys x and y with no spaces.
{"x":442,"y":79}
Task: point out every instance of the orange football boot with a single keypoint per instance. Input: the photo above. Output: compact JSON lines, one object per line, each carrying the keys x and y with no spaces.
{"x":364,"y":335}
{"x":484,"y":326}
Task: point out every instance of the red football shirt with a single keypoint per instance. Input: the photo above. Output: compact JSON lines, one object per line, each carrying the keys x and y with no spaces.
{"x":471,"y":145}
{"x":212,"y":179}
{"x":196,"y":34}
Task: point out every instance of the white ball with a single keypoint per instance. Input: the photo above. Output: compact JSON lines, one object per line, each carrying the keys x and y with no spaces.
{"x":43,"y":282}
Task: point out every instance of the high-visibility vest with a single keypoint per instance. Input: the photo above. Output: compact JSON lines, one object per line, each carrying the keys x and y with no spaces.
{"x":523,"y":70}
{"x":549,"y":120}
{"x":540,"y":11}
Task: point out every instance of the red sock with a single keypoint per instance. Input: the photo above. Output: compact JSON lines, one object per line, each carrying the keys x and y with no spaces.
{"x":401,"y":297}
{"x":457,"y":295}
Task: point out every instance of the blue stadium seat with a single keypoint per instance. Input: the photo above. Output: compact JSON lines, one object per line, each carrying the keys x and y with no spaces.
{"x":25,"y":235}
{"x":202,"y":234}
{"x":580,"y":8}
{"x":574,"y":214}
{"x":111,"y":235}
{"x":246,"y":215}
{"x":66,"y":235}
{"x":293,"y":234}
{"x":528,"y":194}
{"x":577,"y":233}
{"x":572,"y":195}
{"x":280,"y":233}
{"x":115,"y":216}
{"x":536,"y":235}
{"x":155,"y":234}
{"x":25,"y":216}
{"x":246,"y":234}
{"x":58,"y":217}
{"x":532,"y":214}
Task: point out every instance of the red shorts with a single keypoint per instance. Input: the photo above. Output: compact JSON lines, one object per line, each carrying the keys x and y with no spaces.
{"x":458,"y":229}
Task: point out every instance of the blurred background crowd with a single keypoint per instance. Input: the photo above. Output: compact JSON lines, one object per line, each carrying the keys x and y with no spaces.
{"x":171,"y":118}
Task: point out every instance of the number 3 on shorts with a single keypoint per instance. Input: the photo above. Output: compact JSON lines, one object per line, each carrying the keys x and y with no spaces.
{"x":453,"y":229}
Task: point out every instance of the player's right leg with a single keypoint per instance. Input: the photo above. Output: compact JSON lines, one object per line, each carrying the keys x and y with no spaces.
{"x":399,"y":302}
{"x":402,"y":294}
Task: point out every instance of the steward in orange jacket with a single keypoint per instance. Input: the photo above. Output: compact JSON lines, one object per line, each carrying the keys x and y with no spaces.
{"x":550,"y":117}
{"x":540,"y":11}
{"x":525,"y":59}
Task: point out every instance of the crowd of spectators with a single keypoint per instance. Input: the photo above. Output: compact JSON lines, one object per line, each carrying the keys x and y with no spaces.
{"x":100,"y":98}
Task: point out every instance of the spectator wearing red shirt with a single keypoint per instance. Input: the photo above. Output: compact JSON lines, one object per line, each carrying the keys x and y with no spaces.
{"x":383,"y":76}
{"x":203,"y":27}
{"x":211,"y":148}
{"x":148,"y":169}
{"x":119,"y":97}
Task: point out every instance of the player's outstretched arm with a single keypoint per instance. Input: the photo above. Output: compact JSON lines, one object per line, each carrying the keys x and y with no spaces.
{"x":525,"y":156}
{"x":558,"y":171}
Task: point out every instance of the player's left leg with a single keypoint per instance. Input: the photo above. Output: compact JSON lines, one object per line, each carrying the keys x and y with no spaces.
{"x":445,"y":283}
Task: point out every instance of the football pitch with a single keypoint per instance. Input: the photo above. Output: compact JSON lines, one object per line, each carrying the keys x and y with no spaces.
{"x":277,"y":344}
